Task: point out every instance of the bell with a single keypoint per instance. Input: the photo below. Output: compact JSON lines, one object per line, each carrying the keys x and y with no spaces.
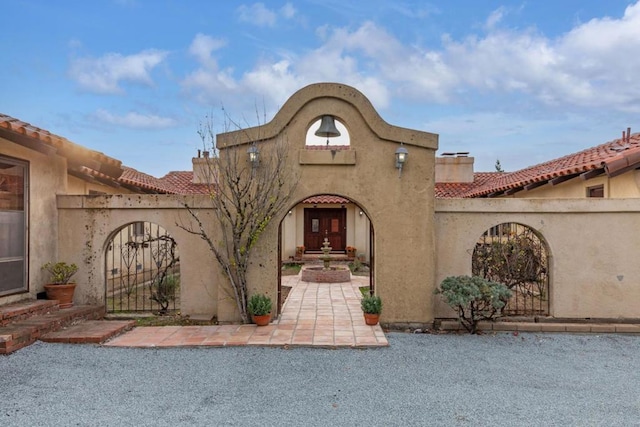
{"x":327,"y":128}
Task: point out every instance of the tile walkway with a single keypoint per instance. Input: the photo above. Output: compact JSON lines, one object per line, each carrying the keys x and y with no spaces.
{"x":315,"y":314}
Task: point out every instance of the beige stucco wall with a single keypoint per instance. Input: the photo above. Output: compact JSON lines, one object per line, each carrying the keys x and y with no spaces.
{"x":78,"y":186}
{"x":47,"y":177}
{"x":398,"y":207}
{"x":88,"y":222}
{"x":593,"y":246}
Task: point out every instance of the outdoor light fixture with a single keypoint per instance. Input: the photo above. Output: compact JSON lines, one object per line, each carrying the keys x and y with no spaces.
{"x":361,"y":213}
{"x":328,"y":128}
{"x":401,"y":158}
{"x":254,"y":155}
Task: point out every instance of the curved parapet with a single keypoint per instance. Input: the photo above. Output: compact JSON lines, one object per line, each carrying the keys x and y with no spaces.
{"x":339,"y":91}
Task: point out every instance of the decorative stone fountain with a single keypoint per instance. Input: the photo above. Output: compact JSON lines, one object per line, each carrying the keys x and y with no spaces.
{"x":326,"y":250}
{"x":326,"y":274}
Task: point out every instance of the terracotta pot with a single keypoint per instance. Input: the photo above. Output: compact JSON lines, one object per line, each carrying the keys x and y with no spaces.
{"x":261,"y":320}
{"x":61,"y":293}
{"x":371,"y":319}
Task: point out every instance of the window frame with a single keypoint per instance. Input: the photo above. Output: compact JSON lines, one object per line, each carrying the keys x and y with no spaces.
{"x":25,"y":165}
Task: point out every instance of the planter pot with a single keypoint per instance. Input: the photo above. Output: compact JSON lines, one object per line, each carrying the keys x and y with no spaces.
{"x":261,"y":320}
{"x":61,"y":293}
{"x":371,"y":319}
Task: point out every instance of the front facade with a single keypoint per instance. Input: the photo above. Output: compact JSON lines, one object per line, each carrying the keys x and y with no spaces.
{"x":35,"y":167}
{"x":416,"y":225}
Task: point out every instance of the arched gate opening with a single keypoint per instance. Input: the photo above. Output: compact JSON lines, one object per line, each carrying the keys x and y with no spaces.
{"x":142,"y":270}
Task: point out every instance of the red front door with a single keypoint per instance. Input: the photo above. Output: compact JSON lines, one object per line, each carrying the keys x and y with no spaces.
{"x":320,"y":223}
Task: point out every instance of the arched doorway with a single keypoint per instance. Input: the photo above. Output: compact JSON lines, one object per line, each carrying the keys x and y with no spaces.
{"x":516,"y":255}
{"x":342,"y":222}
{"x":142,"y":270}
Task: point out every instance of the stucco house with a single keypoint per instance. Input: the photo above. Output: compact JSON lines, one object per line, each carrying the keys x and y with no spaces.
{"x":417,"y":224}
{"x":35,"y":166}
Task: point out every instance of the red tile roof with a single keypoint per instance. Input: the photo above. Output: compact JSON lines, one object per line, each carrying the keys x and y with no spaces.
{"x":327,"y":147}
{"x":611,"y":158}
{"x":181,"y":183}
{"x":145,"y":182}
{"x":326,"y":198}
{"x":46,"y":142}
{"x":445,"y":190}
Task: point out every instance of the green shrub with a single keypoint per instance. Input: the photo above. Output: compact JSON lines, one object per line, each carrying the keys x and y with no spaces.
{"x":163,"y":291}
{"x":474,"y":298}
{"x":259,"y":304}
{"x":371,"y":304}
{"x":60,"y":273}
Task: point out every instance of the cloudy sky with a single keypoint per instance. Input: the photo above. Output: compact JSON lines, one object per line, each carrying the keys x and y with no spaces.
{"x":520,"y":81}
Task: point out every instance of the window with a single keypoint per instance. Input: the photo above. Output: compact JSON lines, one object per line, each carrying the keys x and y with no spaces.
{"x":138,"y":229}
{"x":597,"y":191}
{"x":13,"y":225}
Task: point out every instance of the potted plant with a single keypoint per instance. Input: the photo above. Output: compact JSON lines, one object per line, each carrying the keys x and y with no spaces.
{"x":299,"y":252}
{"x":259,"y":307}
{"x":351,"y":251}
{"x":60,"y":286}
{"x":371,"y":307}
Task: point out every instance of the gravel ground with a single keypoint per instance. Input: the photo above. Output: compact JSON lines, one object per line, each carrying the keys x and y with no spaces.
{"x":440,"y":380}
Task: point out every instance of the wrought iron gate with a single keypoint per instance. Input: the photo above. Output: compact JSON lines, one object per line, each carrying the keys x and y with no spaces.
{"x":515,"y":255}
{"x":142,"y":270}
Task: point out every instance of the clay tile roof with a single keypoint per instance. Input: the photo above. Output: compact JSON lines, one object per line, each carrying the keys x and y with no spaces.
{"x":326,"y":198}
{"x":327,"y":147}
{"x":42,"y":140}
{"x":181,"y":182}
{"x":612,"y":157}
{"x":143,"y":181}
{"x":447,"y":190}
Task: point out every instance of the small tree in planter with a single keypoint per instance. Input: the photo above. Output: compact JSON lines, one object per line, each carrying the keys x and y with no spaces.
{"x":371,"y":308}
{"x":59,"y":287}
{"x":474,"y":298}
{"x":259,"y":306}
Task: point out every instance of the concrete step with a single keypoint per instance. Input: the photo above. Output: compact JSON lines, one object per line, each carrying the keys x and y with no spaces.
{"x":24,"y":309}
{"x":25,"y":331}
{"x":89,"y":331}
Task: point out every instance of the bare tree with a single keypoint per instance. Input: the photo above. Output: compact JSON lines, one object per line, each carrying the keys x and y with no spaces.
{"x":245,"y":198}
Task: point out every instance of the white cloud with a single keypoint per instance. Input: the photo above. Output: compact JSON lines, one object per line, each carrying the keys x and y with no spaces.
{"x":135,"y":120}
{"x":257,"y":14}
{"x":288,"y":11}
{"x":592,"y":66}
{"x":105,"y":74}
{"x":208,"y":79}
{"x":495,"y":17}
{"x":202,"y":48}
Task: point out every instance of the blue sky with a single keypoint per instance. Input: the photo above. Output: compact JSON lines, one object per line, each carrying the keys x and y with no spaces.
{"x":519,"y":81}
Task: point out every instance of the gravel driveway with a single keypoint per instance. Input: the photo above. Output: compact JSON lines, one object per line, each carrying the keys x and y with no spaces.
{"x":440,"y":380}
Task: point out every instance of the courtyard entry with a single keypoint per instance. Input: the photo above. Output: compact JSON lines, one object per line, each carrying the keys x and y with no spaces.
{"x":350,"y":237}
{"x":514,"y":254}
{"x":142,"y":270}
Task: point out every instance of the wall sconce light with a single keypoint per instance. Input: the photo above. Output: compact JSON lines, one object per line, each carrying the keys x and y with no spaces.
{"x":290,"y":213}
{"x":361,"y":213}
{"x":254,"y":156}
{"x":328,"y":128}
{"x":401,"y":158}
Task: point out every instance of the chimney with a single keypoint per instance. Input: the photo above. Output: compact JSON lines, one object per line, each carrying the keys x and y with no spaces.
{"x":454,"y":167}
{"x":202,"y":168}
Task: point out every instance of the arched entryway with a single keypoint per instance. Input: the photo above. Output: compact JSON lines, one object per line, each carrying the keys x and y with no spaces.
{"x":518,"y":256}
{"x":342,"y":222}
{"x":142,"y":270}
{"x":387,"y":169}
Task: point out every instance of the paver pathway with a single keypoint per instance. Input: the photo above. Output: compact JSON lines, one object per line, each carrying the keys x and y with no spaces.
{"x":315,"y":314}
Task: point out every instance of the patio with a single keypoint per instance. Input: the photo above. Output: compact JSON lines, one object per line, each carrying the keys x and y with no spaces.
{"x":314,"y":314}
